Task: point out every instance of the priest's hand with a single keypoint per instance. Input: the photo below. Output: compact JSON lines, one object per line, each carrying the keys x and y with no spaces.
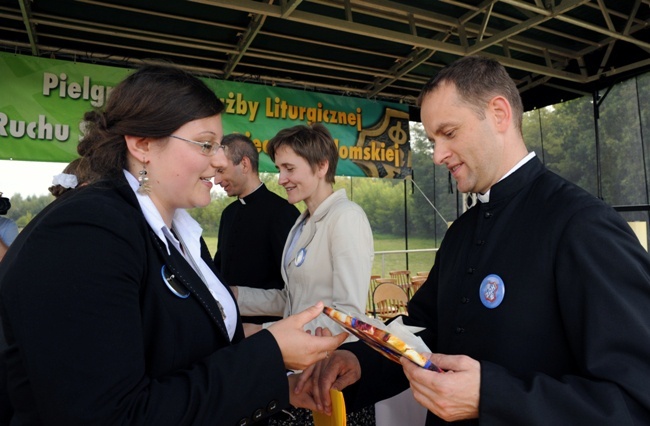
{"x":452,"y":395}
{"x":338,"y":370}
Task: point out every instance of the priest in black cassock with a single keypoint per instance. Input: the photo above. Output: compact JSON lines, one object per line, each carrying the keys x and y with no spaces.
{"x":537,"y":305}
{"x":254,"y":228}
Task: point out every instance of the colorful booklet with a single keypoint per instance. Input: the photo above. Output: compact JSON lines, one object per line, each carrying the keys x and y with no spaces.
{"x":381,"y":339}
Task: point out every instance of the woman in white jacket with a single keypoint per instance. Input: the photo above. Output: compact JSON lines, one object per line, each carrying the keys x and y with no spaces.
{"x":329,"y":251}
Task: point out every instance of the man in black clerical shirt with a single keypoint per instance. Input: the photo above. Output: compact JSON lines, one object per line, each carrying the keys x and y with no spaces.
{"x":536,"y":307}
{"x":254,"y":228}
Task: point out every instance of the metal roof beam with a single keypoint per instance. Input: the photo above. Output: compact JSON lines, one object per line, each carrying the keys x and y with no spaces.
{"x":543,"y":16}
{"x":608,"y":19}
{"x":379,"y":33}
{"x":214,"y":24}
{"x":472,"y":13}
{"x":620,"y":70}
{"x":348,"y":11}
{"x":569,"y":89}
{"x":589,"y":50}
{"x":631,"y":16}
{"x":289,"y":7}
{"x":334,"y":24}
{"x":623,"y":15}
{"x":415,"y":59}
{"x":603,"y":31}
{"x":391,"y":10}
{"x":161,"y":14}
{"x":532,"y":83}
{"x":484,"y":22}
{"x":26,"y":11}
{"x":245,"y":41}
{"x":384,"y":8}
{"x":605,"y":59}
{"x":527,"y":42}
{"x":131,"y":33}
{"x":630,"y":20}
{"x":185,"y":42}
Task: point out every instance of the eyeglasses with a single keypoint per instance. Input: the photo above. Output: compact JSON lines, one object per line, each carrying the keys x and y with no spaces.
{"x":207,"y":148}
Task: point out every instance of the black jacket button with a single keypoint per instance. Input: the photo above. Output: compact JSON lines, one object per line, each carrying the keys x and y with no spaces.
{"x":258,"y":414}
{"x":272,"y":407}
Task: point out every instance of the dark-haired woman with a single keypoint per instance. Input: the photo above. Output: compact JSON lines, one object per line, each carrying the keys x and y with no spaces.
{"x":121,"y":319}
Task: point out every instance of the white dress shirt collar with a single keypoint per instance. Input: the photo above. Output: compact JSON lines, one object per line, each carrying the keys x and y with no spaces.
{"x":189,"y":231}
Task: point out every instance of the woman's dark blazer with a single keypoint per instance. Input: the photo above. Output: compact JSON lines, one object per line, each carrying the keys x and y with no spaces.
{"x":94,"y":336}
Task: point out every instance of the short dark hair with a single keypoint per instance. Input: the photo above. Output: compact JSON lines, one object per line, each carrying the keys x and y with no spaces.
{"x":313,"y":143}
{"x":239,"y":146}
{"x":153,"y":101}
{"x":477,"y":80}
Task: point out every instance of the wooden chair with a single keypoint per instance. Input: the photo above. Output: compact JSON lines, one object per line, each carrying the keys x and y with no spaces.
{"x":385,"y":281}
{"x":422,"y":274}
{"x":393,"y":281}
{"x":389,"y":301}
{"x":402,"y":278}
{"x":373,"y":284}
{"x":416,"y":283}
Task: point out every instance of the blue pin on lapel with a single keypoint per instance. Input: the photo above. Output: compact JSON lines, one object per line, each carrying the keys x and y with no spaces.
{"x":173,"y":285}
{"x":301,"y":256}
{"x":492,"y":291}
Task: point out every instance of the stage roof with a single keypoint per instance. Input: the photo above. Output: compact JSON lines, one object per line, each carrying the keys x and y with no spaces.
{"x":555,"y":50}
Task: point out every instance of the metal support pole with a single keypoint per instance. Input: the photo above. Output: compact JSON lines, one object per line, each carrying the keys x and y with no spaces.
{"x":596,"y":118}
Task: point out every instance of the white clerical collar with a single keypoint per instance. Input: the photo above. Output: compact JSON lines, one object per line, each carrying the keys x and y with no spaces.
{"x":485,"y":198}
{"x":241,"y":200}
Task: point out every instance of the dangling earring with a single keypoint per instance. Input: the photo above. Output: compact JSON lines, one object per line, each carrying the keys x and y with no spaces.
{"x":144,"y":187}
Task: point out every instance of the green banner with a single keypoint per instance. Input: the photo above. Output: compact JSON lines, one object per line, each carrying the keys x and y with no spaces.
{"x":42,"y":102}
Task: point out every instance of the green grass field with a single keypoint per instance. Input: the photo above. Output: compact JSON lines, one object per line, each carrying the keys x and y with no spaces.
{"x":386,"y":262}
{"x":417,"y":262}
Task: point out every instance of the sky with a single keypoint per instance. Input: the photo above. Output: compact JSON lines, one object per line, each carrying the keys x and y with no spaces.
{"x":27,"y":177}
{"x":34,"y":177}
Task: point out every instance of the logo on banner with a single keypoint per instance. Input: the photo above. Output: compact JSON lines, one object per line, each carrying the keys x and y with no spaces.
{"x":384,"y":150}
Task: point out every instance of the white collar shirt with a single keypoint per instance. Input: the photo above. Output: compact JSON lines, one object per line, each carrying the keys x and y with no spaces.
{"x":189,"y":231}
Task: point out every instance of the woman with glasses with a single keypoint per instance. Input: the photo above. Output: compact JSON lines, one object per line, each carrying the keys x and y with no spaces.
{"x":111,"y":311}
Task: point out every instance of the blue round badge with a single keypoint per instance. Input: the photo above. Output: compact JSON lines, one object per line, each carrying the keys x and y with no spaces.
{"x":301,"y":256}
{"x":492,"y":291}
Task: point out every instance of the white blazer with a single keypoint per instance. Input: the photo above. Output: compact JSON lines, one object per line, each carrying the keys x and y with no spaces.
{"x":334,"y":268}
